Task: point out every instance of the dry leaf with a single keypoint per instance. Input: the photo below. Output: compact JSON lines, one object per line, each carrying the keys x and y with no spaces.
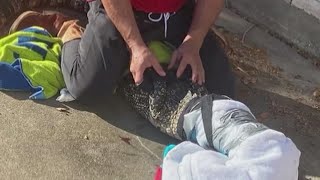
{"x":63,"y":110}
{"x":253,"y":80}
{"x":249,"y":80}
{"x":264,"y":115}
{"x":297,"y":76}
{"x":246,"y":81}
{"x":316,"y":93}
{"x":126,"y":140}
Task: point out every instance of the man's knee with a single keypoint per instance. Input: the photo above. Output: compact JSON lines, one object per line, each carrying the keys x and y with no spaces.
{"x":92,"y":67}
{"x":86,"y":90}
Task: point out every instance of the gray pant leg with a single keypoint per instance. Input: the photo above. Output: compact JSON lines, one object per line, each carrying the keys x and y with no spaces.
{"x":93,"y":65}
{"x":219,"y":77}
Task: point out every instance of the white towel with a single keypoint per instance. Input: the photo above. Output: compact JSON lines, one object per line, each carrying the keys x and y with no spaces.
{"x":268,"y":155}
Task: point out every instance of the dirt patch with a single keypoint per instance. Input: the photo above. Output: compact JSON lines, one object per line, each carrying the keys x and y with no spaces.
{"x":247,"y":61}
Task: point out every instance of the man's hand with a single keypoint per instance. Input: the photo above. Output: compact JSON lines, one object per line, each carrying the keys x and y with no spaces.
{"x":188,"y":54}
{"x":121,"y":14}
{"x":205,"y":13}
{"x":141,"y":59}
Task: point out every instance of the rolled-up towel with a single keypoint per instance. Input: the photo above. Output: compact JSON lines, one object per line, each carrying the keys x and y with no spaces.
{"x":268,"y":155}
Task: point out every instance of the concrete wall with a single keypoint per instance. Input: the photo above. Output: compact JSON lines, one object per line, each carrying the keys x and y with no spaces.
{"x":310,"y":6}
{"x":285,"y":19}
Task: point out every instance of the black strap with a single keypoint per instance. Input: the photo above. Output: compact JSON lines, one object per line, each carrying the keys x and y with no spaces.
{"x":206,"y":111}
{"x":197,"y":103}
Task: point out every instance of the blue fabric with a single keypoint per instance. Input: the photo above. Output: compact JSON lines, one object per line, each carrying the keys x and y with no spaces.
{"x":23,"y":39}
{"x":167,"y":149}
{"x":35,"y":48}
{"x":12,"y":78}
{"x":34,"y":55}
{"x":37,"y":31}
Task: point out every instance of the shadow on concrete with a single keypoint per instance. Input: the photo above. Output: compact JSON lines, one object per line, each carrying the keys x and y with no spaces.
{"x":121,"y":115}
{"x":18,"y":95}
{"x":117,"y":112}
{"x":114,"y":110}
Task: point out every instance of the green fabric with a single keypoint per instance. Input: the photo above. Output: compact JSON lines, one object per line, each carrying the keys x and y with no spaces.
{"x":39,"y":54}
{"x":161,"y":50}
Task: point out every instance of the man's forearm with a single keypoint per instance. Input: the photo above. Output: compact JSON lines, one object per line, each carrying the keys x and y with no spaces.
{"x":206,"y":12}
{"x":121,"y":14}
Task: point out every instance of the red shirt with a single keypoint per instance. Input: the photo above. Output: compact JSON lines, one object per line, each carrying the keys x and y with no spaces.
{"x":157,"y":6}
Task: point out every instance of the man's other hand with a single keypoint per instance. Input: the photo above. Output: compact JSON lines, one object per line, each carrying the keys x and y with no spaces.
{"x":141,"y":59}
{"x":188,"y":54}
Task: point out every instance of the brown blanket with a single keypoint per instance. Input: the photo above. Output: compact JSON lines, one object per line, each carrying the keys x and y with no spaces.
{"x":9,"y":9}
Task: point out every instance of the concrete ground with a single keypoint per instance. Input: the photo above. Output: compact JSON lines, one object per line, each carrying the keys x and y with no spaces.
{"x":284,"y":20}
{"x":102,"y":142}
{"x":110,"y":141}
